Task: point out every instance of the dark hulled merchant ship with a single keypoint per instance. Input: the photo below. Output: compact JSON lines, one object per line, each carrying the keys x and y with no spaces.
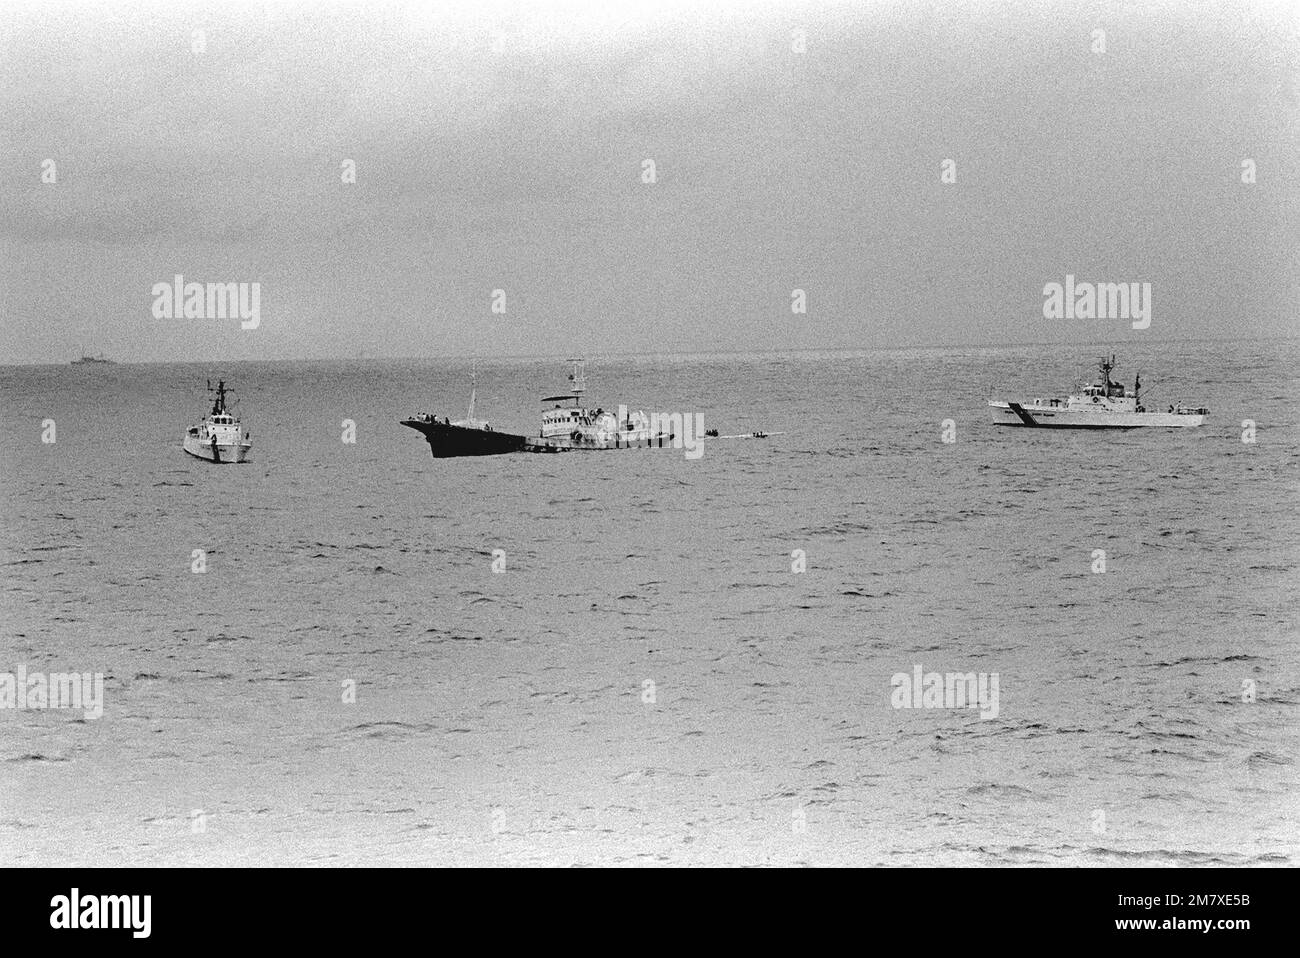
{"x":568,"y":426}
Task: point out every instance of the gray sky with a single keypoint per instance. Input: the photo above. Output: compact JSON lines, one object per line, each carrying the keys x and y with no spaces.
{"x":501,"y":146}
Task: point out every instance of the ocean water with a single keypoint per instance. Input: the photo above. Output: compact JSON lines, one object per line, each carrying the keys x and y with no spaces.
{"x":649,"y":681}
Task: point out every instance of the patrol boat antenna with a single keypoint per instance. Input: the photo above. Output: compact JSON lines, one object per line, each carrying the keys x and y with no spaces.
{"x":219,"y":403}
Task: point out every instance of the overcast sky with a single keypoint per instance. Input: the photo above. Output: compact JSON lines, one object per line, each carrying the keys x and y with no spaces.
{"x":796,"y":145}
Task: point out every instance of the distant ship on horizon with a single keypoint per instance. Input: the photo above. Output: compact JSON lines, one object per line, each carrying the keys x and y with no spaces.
{"x":86,"y":360}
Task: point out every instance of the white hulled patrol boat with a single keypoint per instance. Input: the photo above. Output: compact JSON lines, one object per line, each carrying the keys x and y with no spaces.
{"x":218,"y":437}
{"x":1100,"y":405}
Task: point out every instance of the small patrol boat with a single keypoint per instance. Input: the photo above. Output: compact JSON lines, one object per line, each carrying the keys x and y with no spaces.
{"x":219,"y":436}
{"x":1104,"y":404}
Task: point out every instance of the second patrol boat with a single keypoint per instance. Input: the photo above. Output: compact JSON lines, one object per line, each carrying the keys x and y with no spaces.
{"x":1099,"y":405}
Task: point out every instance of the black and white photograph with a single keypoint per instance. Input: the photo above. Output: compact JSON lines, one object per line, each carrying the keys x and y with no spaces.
{"x":649,"y":433}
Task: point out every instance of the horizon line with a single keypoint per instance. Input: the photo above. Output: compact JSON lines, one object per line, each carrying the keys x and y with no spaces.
{"x":627,"y":354}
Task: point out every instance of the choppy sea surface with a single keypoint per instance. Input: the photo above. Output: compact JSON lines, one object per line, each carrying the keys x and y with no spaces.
{"x":649,"y":681}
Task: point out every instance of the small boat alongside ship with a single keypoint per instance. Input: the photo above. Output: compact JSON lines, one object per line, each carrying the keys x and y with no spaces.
{"x":218,"y":437}
{"x":1104,"y":404}
{"x":569,"y":426}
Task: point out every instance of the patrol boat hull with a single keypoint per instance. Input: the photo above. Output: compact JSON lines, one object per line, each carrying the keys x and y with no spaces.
{"x":1058,"y":417}
{"x":219,"y":452}
{"x":1104,"y":404}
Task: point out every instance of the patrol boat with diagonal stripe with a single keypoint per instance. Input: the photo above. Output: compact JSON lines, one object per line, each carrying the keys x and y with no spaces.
{"x":1100,"y":405}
